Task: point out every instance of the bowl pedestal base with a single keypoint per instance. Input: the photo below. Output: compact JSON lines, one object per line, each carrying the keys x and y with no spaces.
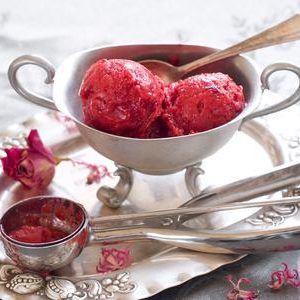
{"x":114,"y":197}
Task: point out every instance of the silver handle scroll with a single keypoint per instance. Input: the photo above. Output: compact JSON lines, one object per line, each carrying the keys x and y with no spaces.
{"x":29,"y":95}
{"x":265,"y":81}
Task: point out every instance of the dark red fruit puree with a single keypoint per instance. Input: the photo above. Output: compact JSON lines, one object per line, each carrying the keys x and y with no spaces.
{"x":36,"y":234}
{"x":45,"y":222}
{"x":124,"y":98}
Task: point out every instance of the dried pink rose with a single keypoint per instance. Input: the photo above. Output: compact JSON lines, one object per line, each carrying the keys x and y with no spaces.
{"x":113,"y":259}
{"x":33,"y":166}
{"x":236,"y":293}
{"x":285,"y":276}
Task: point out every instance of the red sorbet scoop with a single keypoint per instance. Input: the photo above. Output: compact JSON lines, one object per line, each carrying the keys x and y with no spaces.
{"x":202,"y":102}
{"x":36,"y":234}
{"x":121,"y":97}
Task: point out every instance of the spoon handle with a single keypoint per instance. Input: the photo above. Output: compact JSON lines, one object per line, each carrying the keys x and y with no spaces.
{"x":284,"y":32}
{"x":211,"y":241}
{"x":165,"y":218}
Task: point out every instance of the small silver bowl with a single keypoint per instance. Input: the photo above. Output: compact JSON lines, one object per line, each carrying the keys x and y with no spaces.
{"x":152,"y":156}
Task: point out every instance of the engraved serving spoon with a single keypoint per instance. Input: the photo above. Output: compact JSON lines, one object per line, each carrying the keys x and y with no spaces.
{"x":286,"y":31}
{"x":167,"y":226}
{"x":81,"y":230}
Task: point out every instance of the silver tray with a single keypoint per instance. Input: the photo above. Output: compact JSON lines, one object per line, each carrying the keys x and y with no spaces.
{"x":156,"y":266}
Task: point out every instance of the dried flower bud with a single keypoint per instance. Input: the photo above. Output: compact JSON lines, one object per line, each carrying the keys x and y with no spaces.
{"x":33,"y":166}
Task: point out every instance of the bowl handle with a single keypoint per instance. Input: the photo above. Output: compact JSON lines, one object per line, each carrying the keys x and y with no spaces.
{"x":18,"y":87}
{"x":265,"y":76}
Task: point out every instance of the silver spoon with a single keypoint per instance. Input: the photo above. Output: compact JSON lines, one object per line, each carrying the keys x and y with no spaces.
{"x":151,"y":225}
{"x":284,"y":32}
{"x":56,"y":254}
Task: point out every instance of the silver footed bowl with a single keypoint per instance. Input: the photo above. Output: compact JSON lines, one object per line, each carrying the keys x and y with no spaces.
{"x":152,"y":156}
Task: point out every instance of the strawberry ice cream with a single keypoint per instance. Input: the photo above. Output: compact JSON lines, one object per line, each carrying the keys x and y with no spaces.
{"x":36,"y":234}
{"x":202,"y":102}
{"x":121,"y":97}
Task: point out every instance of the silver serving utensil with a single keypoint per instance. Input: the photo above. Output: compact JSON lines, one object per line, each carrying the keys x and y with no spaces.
{"x":56,"y":254}
{"x":167,"y":226}
{"x":209,"y":241}
{"x":284,"y":32}
{"x":276,"y":179}
{"x":164,"y":218}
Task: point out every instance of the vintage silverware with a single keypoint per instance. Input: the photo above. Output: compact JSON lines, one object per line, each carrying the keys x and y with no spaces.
{"x":151,"y":156}
{"x":71,"y":217}
{"x":278,"y":178}
{"x":273,"y":239}
{"x":177,"y":216}
{"x":136,"y":226}
{"x":284,"y":32}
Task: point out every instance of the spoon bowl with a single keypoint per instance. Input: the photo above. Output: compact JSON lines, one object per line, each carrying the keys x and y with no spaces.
{"x":47,"y":210}
{"x":165,"y":71}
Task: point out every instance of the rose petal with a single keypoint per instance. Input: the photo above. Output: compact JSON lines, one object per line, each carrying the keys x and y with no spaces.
{"x":35,"y":142}
{"x":44,"y":170}
{"x":25,"y":168}
{"x":9,"y":163}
